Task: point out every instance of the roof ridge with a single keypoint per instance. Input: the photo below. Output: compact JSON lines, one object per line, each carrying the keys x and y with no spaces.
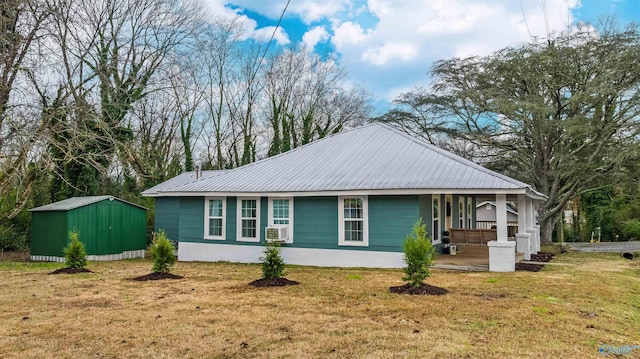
{"x":455,"y":157}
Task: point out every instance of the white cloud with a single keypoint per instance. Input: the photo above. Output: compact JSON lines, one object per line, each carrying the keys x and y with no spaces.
{"x":390,"y":51}
{"x":264,"y":34}
{"x":309,"y":11}
{"x":314,"y":36}
{"x":249,"y":28}
{"x":410,"y":35}
{"x":348,"y":33}
{"x":395,"y":52}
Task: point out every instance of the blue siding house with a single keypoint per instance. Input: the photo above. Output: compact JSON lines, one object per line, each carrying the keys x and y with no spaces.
{"x":347,"y":200}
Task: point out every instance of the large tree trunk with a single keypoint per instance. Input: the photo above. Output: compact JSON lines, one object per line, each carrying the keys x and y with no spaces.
{"x":546,"y":228}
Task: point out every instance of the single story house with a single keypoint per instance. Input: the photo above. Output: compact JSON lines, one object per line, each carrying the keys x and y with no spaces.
{"x":109,"y":227}
{"x":347,"y":200}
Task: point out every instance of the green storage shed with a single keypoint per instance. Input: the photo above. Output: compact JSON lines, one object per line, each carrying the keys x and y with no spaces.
{"x":109,"y":227}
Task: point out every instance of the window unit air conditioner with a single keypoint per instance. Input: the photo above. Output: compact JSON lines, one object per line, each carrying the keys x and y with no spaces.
{"x":276,"y":234}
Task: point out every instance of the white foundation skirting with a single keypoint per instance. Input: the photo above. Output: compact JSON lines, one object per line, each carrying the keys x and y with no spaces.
{"x":105,"y":257}
{"x":214,"y":252}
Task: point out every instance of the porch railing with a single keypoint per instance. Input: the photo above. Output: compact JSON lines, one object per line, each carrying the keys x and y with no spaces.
{"x":512,"y":226}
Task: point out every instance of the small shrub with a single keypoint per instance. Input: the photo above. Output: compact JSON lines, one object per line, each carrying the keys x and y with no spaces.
{"x":272,"y":262}
{"x":162,"y":253}
{"x":75,"y":255}
{"x":418,"y":255}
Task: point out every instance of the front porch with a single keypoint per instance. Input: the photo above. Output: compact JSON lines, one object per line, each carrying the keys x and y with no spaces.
{"x":497,"y":248}
{"x":469,"y":257}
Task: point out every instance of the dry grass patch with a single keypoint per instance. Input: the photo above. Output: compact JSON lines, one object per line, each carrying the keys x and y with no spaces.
{"x":563,"y":311}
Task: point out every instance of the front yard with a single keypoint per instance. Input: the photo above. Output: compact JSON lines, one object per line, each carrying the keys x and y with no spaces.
{"x":565,"y":311}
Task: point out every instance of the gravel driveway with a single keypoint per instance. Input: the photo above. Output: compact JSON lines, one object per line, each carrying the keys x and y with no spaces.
{"x":615,"y":247}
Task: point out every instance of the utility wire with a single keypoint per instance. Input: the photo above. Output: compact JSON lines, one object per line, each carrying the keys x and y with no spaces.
{"x":546,"y":20}
{"x":272,"y":36}
{"x":525,"y":20}
{"x":255,"y":73}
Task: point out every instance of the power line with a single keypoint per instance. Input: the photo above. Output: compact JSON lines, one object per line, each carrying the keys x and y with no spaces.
{"x":272,"y":35}
{"x":546,"y":20}
{"x":525,"y":20}
{"x":255,"y":73}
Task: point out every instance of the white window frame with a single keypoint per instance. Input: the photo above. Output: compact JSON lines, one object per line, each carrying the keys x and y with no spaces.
{"x":207,"y":217}
{"x":239,"y":219}
{"x":462,"y":213}
{"x":438,"y":217}
{"x":469,"y":212}
{"x":365,"y":222}
{"x":270,"y":216}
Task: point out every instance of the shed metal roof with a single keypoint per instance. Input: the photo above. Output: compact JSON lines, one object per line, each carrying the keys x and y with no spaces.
{"x":77,"y":202}
{"x":372,"y":157}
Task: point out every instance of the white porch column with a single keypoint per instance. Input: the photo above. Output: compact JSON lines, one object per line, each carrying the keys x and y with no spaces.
{"x":502,"y":254}
{"x":531,"y":229}
{"x":523,"y":238}
{"x":501,"y":217}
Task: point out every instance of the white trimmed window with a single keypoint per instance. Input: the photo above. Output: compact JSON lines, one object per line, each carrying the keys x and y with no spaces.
{"x":280,"y":214}
{"x":248,"y":218}
{"x":461,"y":213}
{"x":353,"y":221}
{"x":435,"y":216}
{"x":214,"y":218}
{"x":469,"y":213}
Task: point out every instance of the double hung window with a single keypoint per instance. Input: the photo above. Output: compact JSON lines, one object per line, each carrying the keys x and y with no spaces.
{"x":214,"y":218}
{"x":353,"y":221}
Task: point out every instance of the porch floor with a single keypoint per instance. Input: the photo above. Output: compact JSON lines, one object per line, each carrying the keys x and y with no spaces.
{"x":467,"y":258}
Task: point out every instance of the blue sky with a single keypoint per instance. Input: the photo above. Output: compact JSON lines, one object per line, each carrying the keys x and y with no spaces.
{"x":387,"y":46}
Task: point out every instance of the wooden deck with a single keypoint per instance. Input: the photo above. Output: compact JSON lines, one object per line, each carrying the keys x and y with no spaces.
{"x":467,"y":255}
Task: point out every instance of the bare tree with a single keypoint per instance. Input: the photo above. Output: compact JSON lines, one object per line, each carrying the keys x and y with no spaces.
{"x":309,"y":99}
{"x":110,"y":51}
{"x":218,"y":53}
{"x":21,"y":126}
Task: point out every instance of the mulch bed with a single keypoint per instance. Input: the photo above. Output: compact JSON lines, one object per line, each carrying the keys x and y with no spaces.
{"x":529,"y":267}
{"x":539,"y":257}
{"x":423,"y":289}
{"x":542,"y":257}
{"x":157,"y":276}
{"x":70,"y":271}
{"x":272,"y":282}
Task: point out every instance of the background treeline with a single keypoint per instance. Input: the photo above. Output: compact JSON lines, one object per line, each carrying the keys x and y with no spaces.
{"x":115,"y":96}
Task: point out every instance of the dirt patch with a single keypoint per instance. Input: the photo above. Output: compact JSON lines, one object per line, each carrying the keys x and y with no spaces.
{"x":11,"y":256}
{"x":542,"y":257}
{"x":423,"y":289}
{"x":71,"y":271}
{"x":157,"y":276}
{"x":529,"y":267}
{"x":272,"y":282}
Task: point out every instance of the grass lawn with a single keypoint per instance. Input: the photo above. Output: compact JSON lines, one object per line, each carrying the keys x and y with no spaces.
{"x":564,"y":311}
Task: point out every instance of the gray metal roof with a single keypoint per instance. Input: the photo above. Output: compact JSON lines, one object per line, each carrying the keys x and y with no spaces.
{"x":181,"y":179}
{"x":493,"y":203}
{"x":77,"y":202}
{"x":371,"y":157}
